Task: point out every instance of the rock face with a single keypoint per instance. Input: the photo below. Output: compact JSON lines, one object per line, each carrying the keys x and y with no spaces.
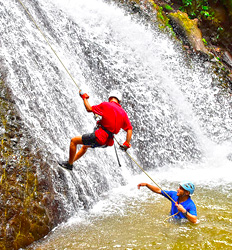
{"x":29,"y":208}
{"x":188,"y":31}
{"x":227,"y":58}
{"x":209,"y":35}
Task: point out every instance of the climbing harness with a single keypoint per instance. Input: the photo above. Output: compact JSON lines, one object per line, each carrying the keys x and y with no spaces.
{"x":48,"y":42}
{"x":110,"y":134}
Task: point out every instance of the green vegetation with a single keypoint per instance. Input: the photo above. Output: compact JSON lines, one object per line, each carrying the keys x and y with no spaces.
{"x":198,"y":9}
{"x":204,"y":41}
{"x":168,"y":7}
{"x":205,"y":10}
{"x":164,"y":20}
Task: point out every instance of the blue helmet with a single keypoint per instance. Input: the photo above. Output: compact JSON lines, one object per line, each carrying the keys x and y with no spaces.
{"x":188,"y":186}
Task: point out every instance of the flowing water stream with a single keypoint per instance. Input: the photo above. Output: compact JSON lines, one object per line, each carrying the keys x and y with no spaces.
{"x":181,"y":119}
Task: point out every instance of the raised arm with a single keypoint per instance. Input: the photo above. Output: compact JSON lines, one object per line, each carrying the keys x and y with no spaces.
{"x":85,"y":98}
{"x":151,"y":187}
{"x":87,"y":106}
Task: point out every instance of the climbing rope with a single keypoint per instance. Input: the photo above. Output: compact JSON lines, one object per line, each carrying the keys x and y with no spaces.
{"x":171,"y":216}
{"x":79,"y":89}
{"x":117,"y":155}
{"x":150,"y":178}
{"x":155,"y":184}
{"x":48,"y":42}
{"x":145,"y":172}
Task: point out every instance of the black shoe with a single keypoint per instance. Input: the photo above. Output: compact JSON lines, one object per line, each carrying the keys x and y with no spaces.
{"x":65,"y":164}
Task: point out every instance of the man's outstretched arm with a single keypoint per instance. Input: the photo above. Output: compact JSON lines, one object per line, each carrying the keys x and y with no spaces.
{"x":151,"y":187}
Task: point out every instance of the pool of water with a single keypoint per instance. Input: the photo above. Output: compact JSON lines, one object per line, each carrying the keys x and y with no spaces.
{"x":128,"y":218}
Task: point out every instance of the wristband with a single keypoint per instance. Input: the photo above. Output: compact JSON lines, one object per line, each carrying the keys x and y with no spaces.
{"x":185,"y":213}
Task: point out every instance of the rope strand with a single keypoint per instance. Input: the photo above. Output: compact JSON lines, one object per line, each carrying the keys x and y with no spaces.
{"x":146,"y":172}
{"x":79,"y":89}
{"x":154,"y":182}
{"x":48,"y":42}
{"x":171,"y":216}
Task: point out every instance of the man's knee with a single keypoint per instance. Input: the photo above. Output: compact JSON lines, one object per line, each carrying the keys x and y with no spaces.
{"x":76,"y":140}
{"x":84,"y":148}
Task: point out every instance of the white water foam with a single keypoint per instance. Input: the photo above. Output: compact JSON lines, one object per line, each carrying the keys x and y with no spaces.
{"x":175,"y":111}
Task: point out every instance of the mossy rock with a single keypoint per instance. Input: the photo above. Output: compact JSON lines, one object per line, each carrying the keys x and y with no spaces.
{"x":24,"y":214}
{"x":188,"y":30}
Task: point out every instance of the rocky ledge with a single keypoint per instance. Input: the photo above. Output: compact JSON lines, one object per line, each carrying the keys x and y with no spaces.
{"x":29,"y":207}
{"x":204,"y":28}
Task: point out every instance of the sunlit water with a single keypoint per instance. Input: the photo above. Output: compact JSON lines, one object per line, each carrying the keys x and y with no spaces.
{"x":182,"y":125}
{"x":129,"y":218}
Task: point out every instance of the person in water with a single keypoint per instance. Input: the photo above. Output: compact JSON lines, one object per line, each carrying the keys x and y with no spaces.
{"x":183,"y":207}
{"x":113,"y":118}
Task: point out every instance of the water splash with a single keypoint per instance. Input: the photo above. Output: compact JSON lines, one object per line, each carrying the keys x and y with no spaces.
{"x":180,"y":121}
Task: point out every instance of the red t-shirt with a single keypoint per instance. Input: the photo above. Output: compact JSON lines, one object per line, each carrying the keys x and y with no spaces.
{"x":114,"y":117}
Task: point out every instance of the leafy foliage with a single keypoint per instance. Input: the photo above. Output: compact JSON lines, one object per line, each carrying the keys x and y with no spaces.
{"x":168,"y":7}
{"x":198,"y":9}
{"x":202,"y":10}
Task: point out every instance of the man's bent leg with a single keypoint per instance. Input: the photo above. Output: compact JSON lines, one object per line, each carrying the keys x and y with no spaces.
{"x":73,"y":148}
{"x":81,"y":152}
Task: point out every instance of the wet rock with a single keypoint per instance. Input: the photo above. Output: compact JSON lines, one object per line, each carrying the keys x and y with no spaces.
{"x":29,"y":208}
{"x":214,"y":24}
{"x":227,"y":58}
{"x":188,"y":30}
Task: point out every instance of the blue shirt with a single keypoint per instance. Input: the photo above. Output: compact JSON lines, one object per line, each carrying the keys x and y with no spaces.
{"x":188,"y":204}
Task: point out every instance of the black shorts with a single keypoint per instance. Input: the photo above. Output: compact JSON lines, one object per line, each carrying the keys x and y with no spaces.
{"x":90,"y":140}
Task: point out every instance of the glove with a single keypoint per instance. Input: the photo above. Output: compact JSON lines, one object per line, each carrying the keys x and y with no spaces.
{"x":83,"y":95}
{"x":125,"y":146}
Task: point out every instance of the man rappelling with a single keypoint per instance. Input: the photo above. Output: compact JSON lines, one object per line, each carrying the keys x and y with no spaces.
{"x":113,"y":118}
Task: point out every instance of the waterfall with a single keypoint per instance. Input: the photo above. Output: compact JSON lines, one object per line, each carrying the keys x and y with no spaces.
{"x":179,"y":115}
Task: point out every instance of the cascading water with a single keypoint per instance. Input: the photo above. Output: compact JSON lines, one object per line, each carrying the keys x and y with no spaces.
{"x":182,"y":122}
